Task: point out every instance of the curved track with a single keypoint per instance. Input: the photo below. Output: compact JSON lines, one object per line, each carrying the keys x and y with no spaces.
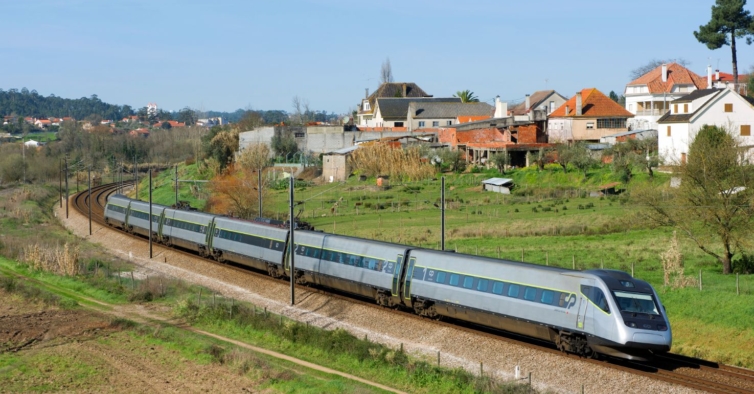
{"x":672,"y":368}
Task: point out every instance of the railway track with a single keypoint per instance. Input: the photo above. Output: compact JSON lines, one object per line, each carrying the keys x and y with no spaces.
{"x":672,"y":368}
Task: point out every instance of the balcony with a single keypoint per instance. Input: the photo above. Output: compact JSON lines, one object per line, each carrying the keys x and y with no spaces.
{"x":651,"y":112}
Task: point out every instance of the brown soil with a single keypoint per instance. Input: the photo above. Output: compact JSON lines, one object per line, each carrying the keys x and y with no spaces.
{"x":87,"y":343}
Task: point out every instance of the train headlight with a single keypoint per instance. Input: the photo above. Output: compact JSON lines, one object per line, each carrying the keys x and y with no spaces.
{"x":632,"y":324}
{"x":662,"y":327}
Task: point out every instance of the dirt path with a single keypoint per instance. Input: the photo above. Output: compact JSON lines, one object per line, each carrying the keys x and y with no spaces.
{"x":27,"y":329}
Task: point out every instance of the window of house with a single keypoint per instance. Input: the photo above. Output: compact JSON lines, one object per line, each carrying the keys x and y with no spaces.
{"x":729,"y":107}
{"x":685,"y":108}
{"x":450,"y":122}
{"x":589,"y":125}
{"x":435,"y":123}
{"x":611,"y":123}
{"x":745,"y":130}
{"x":421,"y":123}
{"x":668,"y":131}
{"x":675,"y":108}
{"x":398,"y":124}
{"x":300,"y":135}
{"x":367,"y":107}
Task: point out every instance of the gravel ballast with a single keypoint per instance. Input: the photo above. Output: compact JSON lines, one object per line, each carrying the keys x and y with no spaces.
{"x":421,"y":338}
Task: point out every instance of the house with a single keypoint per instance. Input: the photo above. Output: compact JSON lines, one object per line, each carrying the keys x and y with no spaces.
{"x":498,"y":185}
{"x":41,"y":123}
{"x":434,"y":114}
{"x":393,"y":113}
{"x":387,"y":90}
{"x":587,"y":116}
{"x":720,"y":107}
{"x":142,"y":132}
{"x":336,"y":166}
{"x":648,"y":96}
{"x":547,"y":100}
{"x":722,"y":80}
{"x":628,"y":135}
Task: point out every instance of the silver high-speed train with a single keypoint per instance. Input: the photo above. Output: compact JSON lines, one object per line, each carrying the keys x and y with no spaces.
{"x":584,"y":312}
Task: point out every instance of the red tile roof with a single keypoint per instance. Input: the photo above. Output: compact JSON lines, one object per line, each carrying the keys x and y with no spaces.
{"x":677,"y":75}
{"x":467,"y":119}
{"x":726,"y":77}
{"x":594,"y":104}
{"x":480,"y":135}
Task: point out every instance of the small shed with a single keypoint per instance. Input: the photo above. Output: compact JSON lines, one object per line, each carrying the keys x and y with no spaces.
{"x":606,"y":190}
{"x":335,"y":166}
{"x":499,"y":185}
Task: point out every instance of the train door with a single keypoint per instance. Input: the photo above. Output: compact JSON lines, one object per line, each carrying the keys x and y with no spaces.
{"x":584,"y":317}
{"x":160,"y":222}
{"x":210,"y":234}
{"x":407,"y":283}
{"x":397,"y":275}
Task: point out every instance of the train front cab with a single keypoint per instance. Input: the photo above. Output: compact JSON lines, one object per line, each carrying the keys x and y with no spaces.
{"x":116,"y":210}
{"x":627,"y":318}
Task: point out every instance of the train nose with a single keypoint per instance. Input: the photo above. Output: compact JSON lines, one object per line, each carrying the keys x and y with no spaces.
{"x":652,"y":339}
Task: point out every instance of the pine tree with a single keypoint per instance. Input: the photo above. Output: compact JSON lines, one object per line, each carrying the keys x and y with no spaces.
{"x":729,"y":21}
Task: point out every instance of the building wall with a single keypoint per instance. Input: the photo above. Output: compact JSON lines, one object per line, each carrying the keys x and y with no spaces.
{"x":682,"y":134}
{"x":582,"y":133}
{"x":428,"y":123}
{"x":335,"y":166}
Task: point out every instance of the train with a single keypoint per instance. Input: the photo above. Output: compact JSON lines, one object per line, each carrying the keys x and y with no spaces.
{"x":589,"y":313}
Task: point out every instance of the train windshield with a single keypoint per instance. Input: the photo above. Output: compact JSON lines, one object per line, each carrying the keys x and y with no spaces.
{"x":635,"y":303}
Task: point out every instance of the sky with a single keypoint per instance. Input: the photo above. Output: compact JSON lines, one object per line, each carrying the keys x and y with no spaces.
{"x":259,"y":54}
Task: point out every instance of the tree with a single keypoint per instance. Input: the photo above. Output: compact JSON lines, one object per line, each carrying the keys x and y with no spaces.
{"x":283,"y":142}
{"x":466,"y":96}
{"x":234,"y":192}
{"x":386,"y":72}
{"x":166,"y":125}
{"x":729,"y":21}
{"x":250,"y":121}
{"x":221,"y":143}
{"x":582,"y":158}
{"x":501,"y":160}
{"x":187,"y":116}
{"x":565,"y":155}
{"x":254,"y":157}
{"x":453,"y":159}
{"x":715,"y":199}
{"x":654,"y":63}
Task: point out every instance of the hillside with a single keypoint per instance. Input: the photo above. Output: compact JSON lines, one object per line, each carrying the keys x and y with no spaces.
{"x":30,"y":103}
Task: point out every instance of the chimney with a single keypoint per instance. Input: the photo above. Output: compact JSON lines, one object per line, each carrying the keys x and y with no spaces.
{"x":404,"y":90}
{"x":568,"y":110}
{"x":528,"y":103}
{"x":664,"y":73}
{"x":501,"y":109}
{"x":578,"y":103}
{"x":366,"y":93}
{"x":709,"y":77}
{"x":717,"y":75}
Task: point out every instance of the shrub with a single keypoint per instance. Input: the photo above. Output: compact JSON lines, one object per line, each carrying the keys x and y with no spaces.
{"x":743,"y":265}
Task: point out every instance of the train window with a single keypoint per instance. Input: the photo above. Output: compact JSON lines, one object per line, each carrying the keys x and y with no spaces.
{"x":468,"y":282}
{"x":440,"y":277}
{"x":513,"y":290}
{"x":497,"y":288}
{"x":454,"y":279}
{"x":530,"y":294}
{"x":380,"y":265}
{"x":597,"y":297}
{"x":418,"y":273}
{"x":547,"y":297}
{"x":482,"y":285}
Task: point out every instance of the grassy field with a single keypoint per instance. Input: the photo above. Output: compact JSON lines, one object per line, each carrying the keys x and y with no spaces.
{"x":550,"y":219}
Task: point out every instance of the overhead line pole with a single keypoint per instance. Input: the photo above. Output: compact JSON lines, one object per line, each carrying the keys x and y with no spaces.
{"x":259,"y":189}
{"x":292,"y":248}
{"x":90,"y":199}
{"x":442,"y":215}
{"x":150,"y":213}
{"x":176,"y":186}
{"x":136,"y":178}
{"x":66,"y":188}
{"x":60,"y":182}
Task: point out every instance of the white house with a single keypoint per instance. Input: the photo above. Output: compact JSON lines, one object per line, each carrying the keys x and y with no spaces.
{"x":718,"y":107}
{"x":649,"y":96}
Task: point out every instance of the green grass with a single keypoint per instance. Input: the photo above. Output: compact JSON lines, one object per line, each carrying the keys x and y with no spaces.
{"x":37,"y":372}
{"x":163,"y":187}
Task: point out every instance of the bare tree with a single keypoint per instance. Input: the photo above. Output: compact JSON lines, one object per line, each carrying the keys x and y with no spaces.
{"x":254,"y":157}
{"x":386,"y":72}
{"x":297,"y":113}
{"x":715,"y":199}
{"x":654,"y":63}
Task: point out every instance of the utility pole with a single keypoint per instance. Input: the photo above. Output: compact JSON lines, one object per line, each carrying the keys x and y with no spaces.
{"x":66,"y":188}
{"x":292,"y":248}
{"x":90,"y":199}
{"x":442,"y":215}
{"x":150,"y":212}
{"x":60,"y":182}
{"x":176,"y":186}
{"x":259,"y":189}
{"x":136,"y":178}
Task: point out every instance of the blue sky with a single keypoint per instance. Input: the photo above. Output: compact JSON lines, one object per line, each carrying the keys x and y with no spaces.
{"x":224,"y":55}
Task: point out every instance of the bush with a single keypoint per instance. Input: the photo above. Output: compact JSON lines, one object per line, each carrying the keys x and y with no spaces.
{"x":743,"y":265}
